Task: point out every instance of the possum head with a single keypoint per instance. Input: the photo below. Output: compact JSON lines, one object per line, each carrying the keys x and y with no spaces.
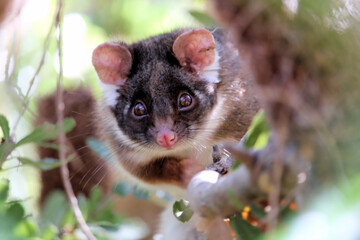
{"x":161,"y":90}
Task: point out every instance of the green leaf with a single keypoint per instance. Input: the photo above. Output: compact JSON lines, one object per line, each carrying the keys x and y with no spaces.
{"x":234,"y":200}
{"x":258,"y":132}
{"x":7,"y":225}
{"x":107,"y":225}
{"x":48,"y":145}
{"x":257,"y":211}
{"x":203,"y":18}
{"x":96,"y":196}
{"x":54,"y":210}
{"x":16,"y":211}
{"x":243,"y":229}
{"x":235,"y":165}
{"x":101,"y":208}
{"x":141,"y":193}
{"x":84,"y":205}
{"x":26,"y":229}
{"x":45,"y":164}
{"x":130,"y":229}
{"x":287,"y":213}
{"x":4,"y":124}
{"x":2,"y":151}
{"x":4,"y":190}
{"x":69,"y":218}
{"x":5,"y":149}
{"x":46,"y":132}
{"x":107,"y":214}
{"x":49,"y":233}
{"x":182,"y":210}
{"x":122,"y":188}
{"x":100,"y":149}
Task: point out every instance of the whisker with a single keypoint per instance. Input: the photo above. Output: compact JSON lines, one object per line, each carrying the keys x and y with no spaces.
{"x":93,"y":174}
{"x":101,"y":179}
{"x":82,"y":114}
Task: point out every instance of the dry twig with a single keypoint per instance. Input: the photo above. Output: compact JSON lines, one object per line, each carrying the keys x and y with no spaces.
{"x":62,"y":139}
{"x":32,"y":81}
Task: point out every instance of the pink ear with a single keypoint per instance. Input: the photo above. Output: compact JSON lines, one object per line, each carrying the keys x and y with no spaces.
{"x":112,"y":62}
{"x":195,"y":49}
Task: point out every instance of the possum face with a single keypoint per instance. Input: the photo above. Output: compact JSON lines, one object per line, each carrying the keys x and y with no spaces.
{"x":163,"y":106}
{"x":162,"y":90}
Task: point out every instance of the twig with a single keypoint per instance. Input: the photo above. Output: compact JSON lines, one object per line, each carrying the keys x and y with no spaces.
{"x":10,"y":54}
{"x":12,"y":85}
{"x":62,"y":154}
{"x":32,"y":81}
{"x":276,"y":174}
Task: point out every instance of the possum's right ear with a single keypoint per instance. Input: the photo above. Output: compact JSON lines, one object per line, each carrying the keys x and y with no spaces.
{"x":112,"y":62}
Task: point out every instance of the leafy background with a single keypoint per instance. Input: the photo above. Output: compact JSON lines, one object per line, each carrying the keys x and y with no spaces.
{"x":86,"y":24}
{"x":332,"y":214}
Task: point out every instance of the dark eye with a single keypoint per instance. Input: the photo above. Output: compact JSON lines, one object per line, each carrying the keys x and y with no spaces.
{"x":139,"y":109}
{"x":185,"y":101}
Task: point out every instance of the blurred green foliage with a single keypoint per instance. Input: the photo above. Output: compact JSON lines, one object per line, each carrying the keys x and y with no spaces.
{"x":13,"y":223}
{"x":38,"y":136}
{"x":323,"y":39}
{"x":258,"y":134}
{"x":86,"y":24}
{"x":57,"y":221}
{"x":138,"y":19}
{"x":243,"y":229}
{"x":333,"y":214}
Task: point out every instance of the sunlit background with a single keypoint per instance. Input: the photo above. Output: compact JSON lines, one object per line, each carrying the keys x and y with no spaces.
{"x":86,"y":24}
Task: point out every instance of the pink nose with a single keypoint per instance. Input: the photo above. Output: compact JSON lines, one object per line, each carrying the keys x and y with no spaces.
{"x":166,"y":138}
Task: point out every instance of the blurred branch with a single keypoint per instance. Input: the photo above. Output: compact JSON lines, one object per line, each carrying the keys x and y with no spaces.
{"x":32,"y":81}
{"x":307,"y":86}
{"x":210,"y":194}
{"x":8,"y":61}
{"x":12,"y":59}
{"x":62,"y":138}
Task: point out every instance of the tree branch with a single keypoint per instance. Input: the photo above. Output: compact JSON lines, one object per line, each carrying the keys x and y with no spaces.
{"x":62,"y":139}
{"x":309,"y":105}
{"x":211,"y":195}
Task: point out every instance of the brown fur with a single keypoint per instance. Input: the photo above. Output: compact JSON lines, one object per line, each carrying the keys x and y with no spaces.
{"x":157,"y":76}
{"x":86,"y":169}
{"x":156,"y":79}
{"x":167,"y":170}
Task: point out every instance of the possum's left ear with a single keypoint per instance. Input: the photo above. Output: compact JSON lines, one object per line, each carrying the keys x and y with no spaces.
{"x":195,"y":50}
{"x":112,"y":62}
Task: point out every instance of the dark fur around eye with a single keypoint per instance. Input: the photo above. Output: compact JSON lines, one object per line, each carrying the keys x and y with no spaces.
{"x":185,"y":101}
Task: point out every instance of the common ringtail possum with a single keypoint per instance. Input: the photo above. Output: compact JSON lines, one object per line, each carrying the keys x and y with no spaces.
{"x":167,"y":100}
